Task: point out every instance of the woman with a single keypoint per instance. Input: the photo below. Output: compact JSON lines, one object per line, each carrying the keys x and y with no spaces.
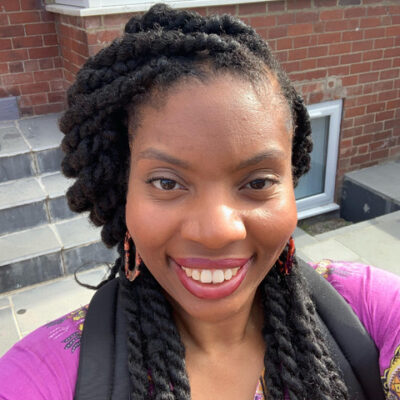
{"x":186,"y":139}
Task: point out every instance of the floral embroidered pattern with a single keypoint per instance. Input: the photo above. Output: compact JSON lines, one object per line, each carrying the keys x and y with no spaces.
{"x":58,"y":330}
{"x":391,"y":378}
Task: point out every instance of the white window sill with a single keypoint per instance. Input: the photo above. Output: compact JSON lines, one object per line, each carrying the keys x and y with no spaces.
{"x":136,"y":6}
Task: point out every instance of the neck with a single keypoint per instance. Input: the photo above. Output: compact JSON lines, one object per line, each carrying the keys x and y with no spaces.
{"x":221,"y":333}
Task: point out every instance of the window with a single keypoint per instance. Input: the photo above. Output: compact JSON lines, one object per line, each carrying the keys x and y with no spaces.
{"x":315,"y":191}
{"x":97,"y":7}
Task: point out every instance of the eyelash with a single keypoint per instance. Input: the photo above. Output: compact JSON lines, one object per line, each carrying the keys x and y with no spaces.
{"x":152,"y":180}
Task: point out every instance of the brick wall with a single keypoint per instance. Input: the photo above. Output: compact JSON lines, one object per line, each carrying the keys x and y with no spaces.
{"x":332,"y":49}
{"x":30,"y":58}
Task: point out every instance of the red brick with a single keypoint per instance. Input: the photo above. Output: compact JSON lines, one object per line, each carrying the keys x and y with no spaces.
{"x":393,"y":30}
{"x":331,"y":14}
{"x":276,"y":6}
{"x":27,"y":41}
{"x":16,"y":67}
{"x":362,"y":149}
{"x":38,"y":98}
{"x":40,"y":28}
{"x":31,"y":65}
{"x":300,"y":29}
{"x":383,"y":43}
{"x":381,"y":154}
{"x":363,"y":119}
{"x":4,"y":70}
{"x":327,"y":38}
{"x":339,"y":48}
{"x":17,"y":79}
{"x":12,"y":31}
{"x":348,"y":152}
{"x":354,"y":111}
{"x":317,"y":51}
{"x":374,"y":33}
{"x":4,"y":19}
{"x":372,"y":55}
{"x":354,"y":12}
{"x":378,"y":145}
{"x":30,"y":88}
{"x":5,"y":44}
{"x":302,"y":17}
{"x":371,"y":11}
{"x":327,"y":61}
{"x":354,"y":90}
{"x":24,"y":17}
{"x":370,"y":22}
{"x":13,"y":55}
{"x":56,"y":97}
{"x":48,"y":108}
{"x":264,"y":21}
{"x":393,"y":104}
{"x":350,"y":36}
{"x":384,"y":115}
{"x":277,"y":32}
{"x":371,"y":108}
{"x":79,"y":48}
{"x":350,"y":80}
{"x":362,"y":45}
{"x":339,"y":71}
{"x":395,"y":52}
{"x":50,"y":40}
{"x":103,"y":36}
{"x":350,"y":58}
{"x":308,"y":64}
{"x":46,"y":63}
{"x":334,"y":26}
{"x":41,"y":76}
{"x":298,"y":4}
{"x":92,"y":22}
{"x":325,"y":3}
{"x":362,"y":67}
{"x":9,"y":5}
{"x":47,"y":16}
{"x":44,"y":52}
{"x":389,"y":95}
{"x":252,"y":8}
{"x":360,"y":159}
{"x":382,"y":86}
{"x":298,"y":54}
{"x":366,"y":99}
{"x":284,"y":43}
{"x":285,"y":19}
{"x":373,"y":128}
{"x":56,"y":85}
{"x":304,"y":41}
{"x":389,"y":74}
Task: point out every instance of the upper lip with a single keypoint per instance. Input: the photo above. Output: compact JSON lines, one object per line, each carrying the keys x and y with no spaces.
{"x":205,"y":263}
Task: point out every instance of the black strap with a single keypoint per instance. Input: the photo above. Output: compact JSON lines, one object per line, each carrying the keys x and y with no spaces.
{"x":350,"y":336}
{"x":103,"y":372}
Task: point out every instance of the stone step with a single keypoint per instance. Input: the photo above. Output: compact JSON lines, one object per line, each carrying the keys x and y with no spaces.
{"x":50,"y":251}
{"x":371,"y":192}
{"x":30,"y":147}
{"x":29,"y":202}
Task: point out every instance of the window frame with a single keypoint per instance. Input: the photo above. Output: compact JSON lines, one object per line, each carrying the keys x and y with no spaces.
{"x":324,"y":202}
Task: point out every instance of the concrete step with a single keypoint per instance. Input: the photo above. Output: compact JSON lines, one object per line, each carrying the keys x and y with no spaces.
{"x":29,"y":202}
{"x":50,"y":251}
{"x":371,"y":192}
{"x":29,"y":147}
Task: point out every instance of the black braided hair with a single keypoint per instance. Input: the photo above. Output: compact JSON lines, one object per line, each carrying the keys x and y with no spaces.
{"x":158,"y":50}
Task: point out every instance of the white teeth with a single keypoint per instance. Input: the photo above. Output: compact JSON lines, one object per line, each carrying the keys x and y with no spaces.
{"x":195,"y":274}
{"x":206,"y":276}
{"x":228,"y":274}
{"x":209,"y":275}
{"x":218,"y":276}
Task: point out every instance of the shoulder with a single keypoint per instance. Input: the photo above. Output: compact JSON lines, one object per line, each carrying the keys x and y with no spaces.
{"x":374,"y":295}
{"x":44,"y":364}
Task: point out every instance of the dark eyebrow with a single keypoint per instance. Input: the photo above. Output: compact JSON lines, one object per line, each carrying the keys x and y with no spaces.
{"x":152,"y":153}
{"x":270,"y":154}
{"x":159,"y":155}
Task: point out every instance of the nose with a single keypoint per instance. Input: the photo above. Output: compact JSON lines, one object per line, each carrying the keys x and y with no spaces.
{"x":213,"y":224}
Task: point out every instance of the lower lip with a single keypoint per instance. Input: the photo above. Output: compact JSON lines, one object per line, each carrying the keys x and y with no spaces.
{"x":211,"y":290}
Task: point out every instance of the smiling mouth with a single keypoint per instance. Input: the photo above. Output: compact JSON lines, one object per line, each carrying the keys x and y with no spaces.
{"x":214,"y":276}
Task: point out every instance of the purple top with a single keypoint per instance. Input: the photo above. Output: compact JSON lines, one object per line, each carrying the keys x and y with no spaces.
{"x":43,"y":365}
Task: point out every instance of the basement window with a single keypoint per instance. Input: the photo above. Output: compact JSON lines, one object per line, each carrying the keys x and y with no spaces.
{"x":315,"y":191}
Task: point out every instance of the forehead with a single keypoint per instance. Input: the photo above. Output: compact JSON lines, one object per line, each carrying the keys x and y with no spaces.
{"x":224,"y":111}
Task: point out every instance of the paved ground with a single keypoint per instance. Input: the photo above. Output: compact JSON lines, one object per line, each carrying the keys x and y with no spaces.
{"x":375,"y":242}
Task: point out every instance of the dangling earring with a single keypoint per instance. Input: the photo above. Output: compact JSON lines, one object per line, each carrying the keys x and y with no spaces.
{"x":285,"y":267}
{"x":131,"y":274}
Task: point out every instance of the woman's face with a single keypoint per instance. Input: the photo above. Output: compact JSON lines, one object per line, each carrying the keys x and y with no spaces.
{"x":210,"y":202}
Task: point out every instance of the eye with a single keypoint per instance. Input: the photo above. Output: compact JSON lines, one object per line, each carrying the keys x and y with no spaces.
{"x":164,"y":184}
{"x":259,"y":184}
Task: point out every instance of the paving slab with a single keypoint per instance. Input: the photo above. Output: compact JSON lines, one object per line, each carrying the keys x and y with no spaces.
{"x":39,"y":305}
{"x":383,"y":179}
{"x":77,"y":231}
{"x":12,"y":142}
{"x":4,"y":302}
{"x":302,"y":238}
{"x":21,"y":191}
{"x":8,"y":330}
{"x":41,"y":132}
{"x":331,"y":249}
{"x":55,"y":184}
{"x":28,"y":244}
